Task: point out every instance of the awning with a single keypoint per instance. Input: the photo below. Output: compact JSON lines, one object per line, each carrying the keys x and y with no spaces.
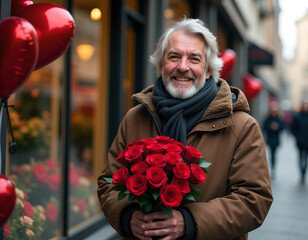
{"x":259,"y":56}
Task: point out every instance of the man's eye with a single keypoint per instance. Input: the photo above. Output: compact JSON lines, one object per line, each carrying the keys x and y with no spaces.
{"x":195,"y":60}
{"x":173,"y":57}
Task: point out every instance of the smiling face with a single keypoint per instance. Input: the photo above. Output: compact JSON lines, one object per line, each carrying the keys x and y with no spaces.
{"x":184,"y":65}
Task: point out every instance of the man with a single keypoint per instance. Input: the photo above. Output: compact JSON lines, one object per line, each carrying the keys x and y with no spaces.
{"x":190,"y":104}
{"x":299,"y":128}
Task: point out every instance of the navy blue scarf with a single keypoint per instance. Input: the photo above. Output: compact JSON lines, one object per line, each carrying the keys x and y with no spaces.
{"x":178,"y":116}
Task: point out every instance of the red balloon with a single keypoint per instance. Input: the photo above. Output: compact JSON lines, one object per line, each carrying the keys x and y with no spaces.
{"x":252,"y":86}
{"x":55,"y":28}
{"x":7,"y":199}
{"x":19,"y":53}
{"x":17,"y":4}
{"x":229,"y":58}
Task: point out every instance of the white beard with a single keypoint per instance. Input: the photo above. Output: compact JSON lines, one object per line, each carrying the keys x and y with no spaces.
{"x":183,"y":95}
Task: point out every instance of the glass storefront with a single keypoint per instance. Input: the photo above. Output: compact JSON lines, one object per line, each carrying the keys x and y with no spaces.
{"x":39,"y":129}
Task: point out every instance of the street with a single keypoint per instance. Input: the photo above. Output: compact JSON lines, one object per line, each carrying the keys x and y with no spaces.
{"x":287,"y":218}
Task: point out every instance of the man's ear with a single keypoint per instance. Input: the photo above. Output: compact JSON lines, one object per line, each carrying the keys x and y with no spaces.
{"x":208,"y":73}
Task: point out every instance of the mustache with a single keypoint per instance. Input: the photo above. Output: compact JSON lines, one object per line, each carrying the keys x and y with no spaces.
{"x":181,"y":74}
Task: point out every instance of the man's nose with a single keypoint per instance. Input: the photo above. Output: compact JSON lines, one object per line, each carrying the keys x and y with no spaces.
{"x":183,"y":65}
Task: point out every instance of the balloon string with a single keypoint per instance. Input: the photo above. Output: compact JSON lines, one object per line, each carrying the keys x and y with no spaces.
{"x":12,"y":145}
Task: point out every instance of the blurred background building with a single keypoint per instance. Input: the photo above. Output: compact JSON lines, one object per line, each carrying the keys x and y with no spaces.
{"x":297,"y":68}
{"x":68,"y":112}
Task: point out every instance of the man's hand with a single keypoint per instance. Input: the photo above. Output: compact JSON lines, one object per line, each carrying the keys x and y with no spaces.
{"x":146,"y":226}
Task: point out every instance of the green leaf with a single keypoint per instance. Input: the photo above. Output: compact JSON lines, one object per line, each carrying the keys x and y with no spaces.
{"x":142,"y":200}
{"x":119,"y":188}
{"x":108,"y":179}
{"x":131,"y":198}
{"x":195,"y":192}
{"x":148,"y":207}
{"x":121,"y":196}
{"x":167,"y":210}
{"x":203,"y":163}
{"x":155,"y":194}
{"x":190,"y":197}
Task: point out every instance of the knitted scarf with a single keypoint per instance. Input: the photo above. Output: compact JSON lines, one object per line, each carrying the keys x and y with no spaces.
{"x":178,"y":116}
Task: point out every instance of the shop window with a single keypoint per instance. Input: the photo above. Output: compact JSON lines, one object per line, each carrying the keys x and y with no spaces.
{"x":37,"y":121}
{"x":177,"y":9}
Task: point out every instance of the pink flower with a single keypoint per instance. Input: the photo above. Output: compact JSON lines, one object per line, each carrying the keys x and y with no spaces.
{"x":39,"y":172}
{"x":28,"y":210}
{"x":51,"y":213}
{"x":53,"y":181}
{"x":82,"y":205}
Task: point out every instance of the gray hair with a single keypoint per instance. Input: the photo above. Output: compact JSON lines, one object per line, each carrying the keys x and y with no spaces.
{"x":191,"y":26}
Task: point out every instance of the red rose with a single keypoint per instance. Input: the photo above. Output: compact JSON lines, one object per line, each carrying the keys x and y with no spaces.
{"x":134,"y":154}
{"x":51,"y":213}
{"x":120,"y":177}
{"x":172,"y":158}
{"x":121,"y":158}
{"x":155,"y":148}
{"x":172,"y":147}
{"x":6,"y":230}
{"x":82,"y":205}
{"x":182,"y":184}
{"x":156,"y":177}
{"x":28,"y":210}
{"x":170,"y":195}
{"x":140,"y":167}
{"x":164,"y":139}
{"x":39,"y":172}
{"x":137,"y":184}
{"x":136,"y":142}
{"x":197,"y":175}
{"x":156,"y":160}
{"x":53,"y":181}
{"x":181,"y":170}
{"x":148,"y":141}
{"x":191,"y":154}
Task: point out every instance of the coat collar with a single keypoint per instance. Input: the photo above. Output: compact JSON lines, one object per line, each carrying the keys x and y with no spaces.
{"x":221,"y":104}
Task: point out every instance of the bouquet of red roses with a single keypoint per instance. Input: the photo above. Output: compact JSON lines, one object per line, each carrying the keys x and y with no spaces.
{"x":159,"y":173}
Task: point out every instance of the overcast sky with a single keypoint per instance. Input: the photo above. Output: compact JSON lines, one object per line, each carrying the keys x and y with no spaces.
{"x":291,"y":11}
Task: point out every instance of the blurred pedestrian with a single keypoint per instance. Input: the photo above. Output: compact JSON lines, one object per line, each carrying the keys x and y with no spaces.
{"x":272,"y":126}
{"x":299,"y":128}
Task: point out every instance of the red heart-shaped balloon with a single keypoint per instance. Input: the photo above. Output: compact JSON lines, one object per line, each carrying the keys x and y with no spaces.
{"x":55,"y":28}
{"x":7,"y":199}
{"x":19,"y":53}
{"x":252,"y":86}
{"x":17,"y":4}
{"x":229,"y":58}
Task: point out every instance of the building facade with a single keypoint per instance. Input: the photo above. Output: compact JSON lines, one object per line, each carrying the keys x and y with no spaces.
{"x":67,"y":113}
{"x":298,"y":74}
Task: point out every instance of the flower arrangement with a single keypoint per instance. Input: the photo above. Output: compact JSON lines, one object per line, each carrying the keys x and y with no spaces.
{"x":37,"y":185}
{"x":30,"y":134}
{"x":159,"y":173}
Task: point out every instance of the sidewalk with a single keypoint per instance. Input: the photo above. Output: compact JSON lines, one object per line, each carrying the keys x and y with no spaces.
{"x":288,"y":216}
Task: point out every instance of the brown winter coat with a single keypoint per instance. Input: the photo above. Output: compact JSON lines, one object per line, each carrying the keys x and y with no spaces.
{"x":236,"y":196}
